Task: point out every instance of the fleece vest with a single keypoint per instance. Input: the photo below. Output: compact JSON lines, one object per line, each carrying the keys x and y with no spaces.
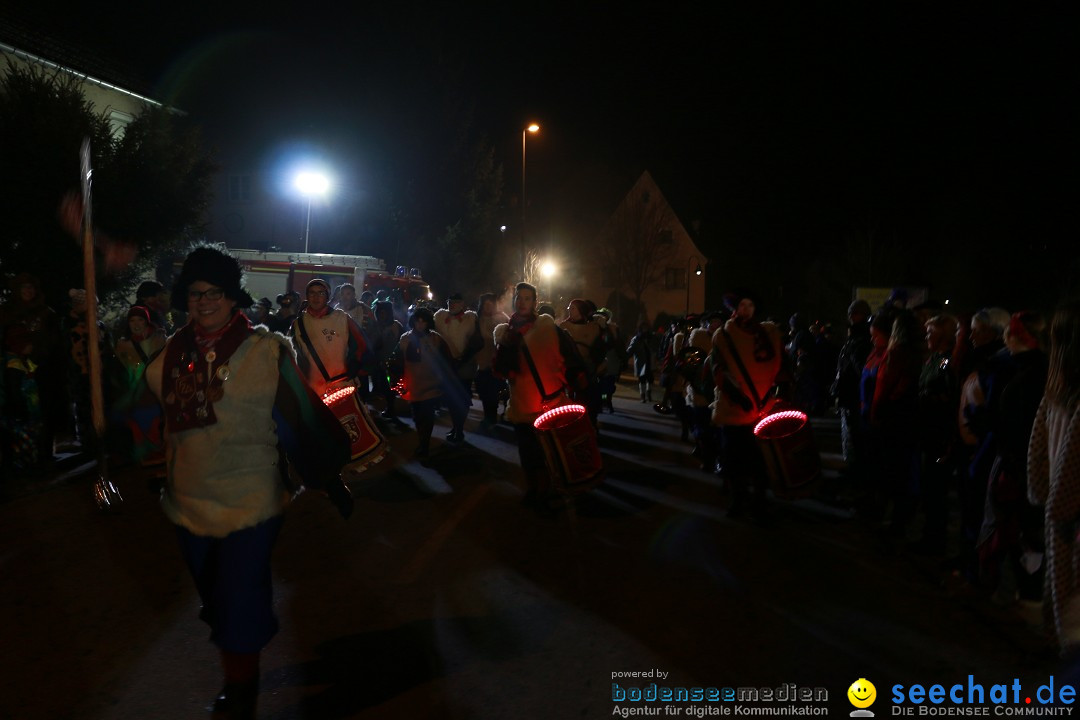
{"x":542,"y":339}
{"x":225,"y":477}
{"x":330,"y":337}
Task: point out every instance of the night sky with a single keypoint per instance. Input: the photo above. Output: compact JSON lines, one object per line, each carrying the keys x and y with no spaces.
{"x":791,"y":141}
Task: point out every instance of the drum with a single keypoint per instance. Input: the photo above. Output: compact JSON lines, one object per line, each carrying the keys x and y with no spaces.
{"x":791,"y":457}
{"x":367,"y":444}
{"x":570,"y":449}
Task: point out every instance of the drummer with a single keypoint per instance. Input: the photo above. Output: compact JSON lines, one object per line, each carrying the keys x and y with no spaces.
{"x":747,"y":366}
{"x":557,"y":365}
{"x":330,"y":346}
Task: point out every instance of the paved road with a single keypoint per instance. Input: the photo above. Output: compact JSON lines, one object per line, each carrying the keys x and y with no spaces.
{"x":443,"y":598}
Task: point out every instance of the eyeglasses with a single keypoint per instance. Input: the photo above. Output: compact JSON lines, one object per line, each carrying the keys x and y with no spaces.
{"x":210,"y":294}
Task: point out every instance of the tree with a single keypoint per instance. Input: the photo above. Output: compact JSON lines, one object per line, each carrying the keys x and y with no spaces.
{"x":638,"y":243}
{"x":150,"y":188}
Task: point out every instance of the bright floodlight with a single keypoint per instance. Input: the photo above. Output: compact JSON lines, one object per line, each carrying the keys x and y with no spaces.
{"x":533,"y":128}
{"x":548,"y":269}
{"x":310,"y":183}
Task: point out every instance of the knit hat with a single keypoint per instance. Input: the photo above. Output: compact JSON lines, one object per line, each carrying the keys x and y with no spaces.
{"x":737,"y":295}
{"x":139,"y":311}
{"x":318,"y":281}
{"x":860,"y":307}
{"x":212,"y":266}
{"x":421,"y":313}
{"x":149,"y":289}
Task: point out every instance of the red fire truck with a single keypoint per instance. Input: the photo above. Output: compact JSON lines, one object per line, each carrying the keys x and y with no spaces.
{"x":269,"y":274}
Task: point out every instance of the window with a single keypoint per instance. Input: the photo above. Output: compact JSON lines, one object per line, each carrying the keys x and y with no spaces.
{"x":240,"y":188}
{"x":118,"y":122}
{"x":675,"y":279}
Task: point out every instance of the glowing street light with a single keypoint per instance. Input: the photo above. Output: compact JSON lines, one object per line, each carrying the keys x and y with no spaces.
{"x":548,"y":269}
{"x":697,"y":271}
{"x":310,"y":185}
{"x":532,"y":128}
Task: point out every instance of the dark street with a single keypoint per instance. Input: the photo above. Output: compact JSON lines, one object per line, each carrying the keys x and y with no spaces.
{"x":443,"y":597}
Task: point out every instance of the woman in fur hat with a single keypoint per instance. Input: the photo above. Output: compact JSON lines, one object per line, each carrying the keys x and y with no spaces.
{"x":232,"y":399}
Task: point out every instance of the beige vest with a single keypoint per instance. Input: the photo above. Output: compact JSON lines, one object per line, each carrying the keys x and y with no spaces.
{"x":330,"y":337}
{"x":225,"y":477}
{"x":525,"y":403}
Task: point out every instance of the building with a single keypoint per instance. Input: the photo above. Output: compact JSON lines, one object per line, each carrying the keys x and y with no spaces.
{"x":111,"y":90}
{"x":647,"y":265}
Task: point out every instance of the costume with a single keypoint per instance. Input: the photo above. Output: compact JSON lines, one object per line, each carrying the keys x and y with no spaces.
{"x":488,"y":386}
{"x":1053,"y":469}
{"x":224,"y":471}
{"x":423,"y":359}
{"x":746,"y":362}
{"x":845,"y":387}
{"x":591,"y":348}
{"x":339,"y":344}
{"x":557,"y":365}
{"x":640,"y":348}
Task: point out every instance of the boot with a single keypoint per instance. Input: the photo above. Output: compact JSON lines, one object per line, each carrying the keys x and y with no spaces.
{"x":237,"y":699}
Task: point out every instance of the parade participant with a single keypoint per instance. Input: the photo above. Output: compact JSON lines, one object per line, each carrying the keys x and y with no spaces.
{"x":586,"y":336}
{"x":141,"y":344}
{"x":387,"y":333}
{"x":1053,"y":469}
{"x":262,"y":312}
{"x":27,"y":308}
{"x":288,"y":307}
{"x":358,"y":311}
{"x":235,"y":407}
{"x":641,"y":349}
{"x":422,"y":358}
{"x":20,"y":409}
{"x":539,"y":361}
{"x":708,"y":447}
{"x":747,"y":363}
{"x":330,"y":347}
{"x":153,"y":296}
{"x":461,"y":331}
{"x":845,"y":386}
{"x":609,"y":370}
{"x":488,"y":386}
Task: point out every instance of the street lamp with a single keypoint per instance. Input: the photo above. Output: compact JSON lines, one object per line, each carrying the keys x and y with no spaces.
{"x":697,"y":271}
{"x":532,"y":128}
{"x":310,"y":184}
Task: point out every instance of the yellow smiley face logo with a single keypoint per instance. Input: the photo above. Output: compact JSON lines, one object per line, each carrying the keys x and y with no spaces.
{"x":862,"y":693}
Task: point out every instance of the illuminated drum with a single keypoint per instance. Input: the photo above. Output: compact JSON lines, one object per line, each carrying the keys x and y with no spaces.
{"x":570,"y":449}
{"x":791,"y":457}
{"x":367,"y":444}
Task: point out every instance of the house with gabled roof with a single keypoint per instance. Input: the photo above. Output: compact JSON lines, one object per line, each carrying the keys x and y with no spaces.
{"x":647,"y":265}
{"x":112,"y":91}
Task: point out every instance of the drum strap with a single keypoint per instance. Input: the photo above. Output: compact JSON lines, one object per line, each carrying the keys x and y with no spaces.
{"x":314,"y":355}
{"x":536,"y":375}
{"x":742,"y":368}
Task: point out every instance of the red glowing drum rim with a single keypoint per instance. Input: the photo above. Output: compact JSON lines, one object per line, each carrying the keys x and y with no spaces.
{"x":780,"y":424}
{"x":559,"y":417}
{"x":337,"y":396}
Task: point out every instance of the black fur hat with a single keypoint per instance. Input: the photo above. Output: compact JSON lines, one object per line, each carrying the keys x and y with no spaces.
{"x":214,"y":267}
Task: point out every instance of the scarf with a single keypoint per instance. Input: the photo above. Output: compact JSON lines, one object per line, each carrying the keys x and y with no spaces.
{"x":763,"y":349}
{"x":191,"y":388}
